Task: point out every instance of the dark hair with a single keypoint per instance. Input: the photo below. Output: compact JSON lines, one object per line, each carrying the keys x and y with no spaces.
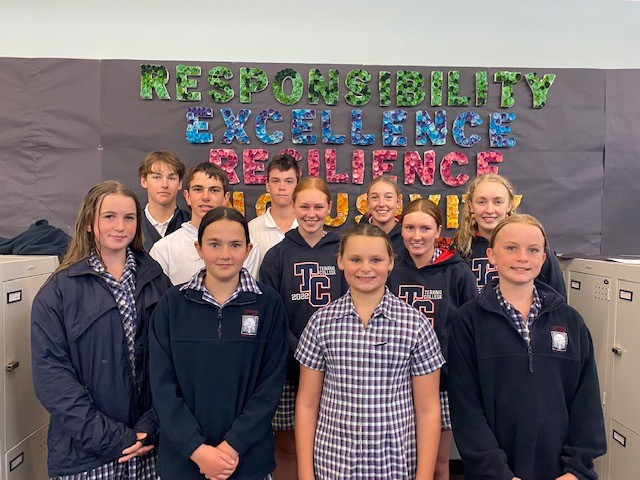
{"x":423,"y":205}
{"x":284,"y":162}
{"x":83,"y":241}
{"x":223,"y":213}
{"x":161,"y":156}
{"x":365,"y":230}
{"x":212,"y":171}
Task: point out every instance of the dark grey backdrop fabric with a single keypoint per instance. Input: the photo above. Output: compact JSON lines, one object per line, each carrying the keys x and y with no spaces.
{"x":67,"y":124}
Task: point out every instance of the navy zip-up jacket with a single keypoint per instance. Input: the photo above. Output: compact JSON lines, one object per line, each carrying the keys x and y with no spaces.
{"x":518,"y":411}
{"x":437,"y":290}
{"x":307,"y":278}
{"x":214,"y":380}
{"x":150,"y":233}
{"x":81,"y":367}
{"x":551,"y":274}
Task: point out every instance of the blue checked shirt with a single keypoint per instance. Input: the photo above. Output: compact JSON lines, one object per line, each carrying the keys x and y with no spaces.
{"x":247,"y":284}
{"x":517,"y":318}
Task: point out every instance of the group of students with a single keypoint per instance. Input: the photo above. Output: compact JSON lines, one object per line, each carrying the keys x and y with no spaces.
{"x":276,"y":349}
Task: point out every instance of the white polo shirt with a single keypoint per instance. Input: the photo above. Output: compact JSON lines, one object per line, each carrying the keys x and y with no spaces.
{"x":179,"y":259}
{"x":265,"y":233}
{"x":161,"y":228}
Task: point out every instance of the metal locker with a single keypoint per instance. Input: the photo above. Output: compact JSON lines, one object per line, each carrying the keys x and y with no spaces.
{"x":23,"y":420}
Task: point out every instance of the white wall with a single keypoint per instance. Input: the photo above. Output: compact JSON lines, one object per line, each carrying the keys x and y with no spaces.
{"x":522,"y":33}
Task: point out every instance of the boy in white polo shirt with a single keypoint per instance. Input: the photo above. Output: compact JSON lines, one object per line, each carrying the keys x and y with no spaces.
{"x":161,"y":175}
{"x":207,"y":187}
{"x":268,"y":229}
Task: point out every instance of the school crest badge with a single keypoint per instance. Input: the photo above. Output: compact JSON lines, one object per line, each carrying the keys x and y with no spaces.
{"x":249,"y":325}
{"x":559,"y":339}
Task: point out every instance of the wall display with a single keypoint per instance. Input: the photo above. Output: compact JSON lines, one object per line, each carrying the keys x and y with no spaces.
{"x":66,"y":124}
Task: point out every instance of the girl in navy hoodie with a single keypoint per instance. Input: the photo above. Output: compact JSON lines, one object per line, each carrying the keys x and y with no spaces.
{"x":525,"y":401}
{"x":89,"y":344}
{"x":218,"y":347}
{"x":436,"y":282}
{"x":489,"y":199}
{"x":383,"y":200}
{"x":303,"y":269}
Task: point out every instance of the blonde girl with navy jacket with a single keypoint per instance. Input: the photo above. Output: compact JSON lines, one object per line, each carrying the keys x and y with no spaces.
{"x":89,"y":344}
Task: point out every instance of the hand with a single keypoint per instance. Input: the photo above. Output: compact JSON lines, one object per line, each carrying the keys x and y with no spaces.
{"x":213,"y":462}
{"x":228,"y":449}
{"x":567,"y":476}
{"x":137,"y":449}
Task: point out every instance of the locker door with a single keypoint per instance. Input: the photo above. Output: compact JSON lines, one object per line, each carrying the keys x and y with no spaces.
{"x":23,"y":413}
{"x":591,"y":296}
{"x":626,"y":387}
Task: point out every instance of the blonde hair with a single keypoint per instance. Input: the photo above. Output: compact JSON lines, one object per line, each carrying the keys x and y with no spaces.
{"x":83,"y":241}
{"x":312,"y":183}
{"x":522,"y":218}
{"x":468,"y":226}
{"x":384,"y":179}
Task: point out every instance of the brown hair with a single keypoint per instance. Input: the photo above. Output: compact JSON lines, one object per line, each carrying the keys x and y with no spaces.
{"x":468,"y":226}
{"x":164,"y":156}
{"x":385,"y":179}
{"x":211,"y":170}
{"x":312,"y":183}
{"x":365,"y":230}
{"x":83,"y":241}
{"x":517,"y":218}
{"x":283,"y":162}
{"x":423,"y":205}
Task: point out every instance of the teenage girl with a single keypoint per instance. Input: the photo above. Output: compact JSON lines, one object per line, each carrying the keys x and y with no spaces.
{"x":303,"y":269}
{"x":436,"y":282}
{"x":383,"y":200}
{"x":218,"y":347}
{"x":525,"y":402}
{"x":490,"y":199}
{"x":368,"y":405}
{"x":88,"y":344}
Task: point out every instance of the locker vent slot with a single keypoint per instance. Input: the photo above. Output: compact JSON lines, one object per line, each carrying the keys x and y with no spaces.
{"x":601,"y":293}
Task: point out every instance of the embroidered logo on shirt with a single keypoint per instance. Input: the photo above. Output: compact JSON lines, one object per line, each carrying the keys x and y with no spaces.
{"x":559,"y":339}
{"x":249,"y":325}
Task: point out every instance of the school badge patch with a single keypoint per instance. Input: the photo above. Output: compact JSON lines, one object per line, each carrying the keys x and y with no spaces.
{"x":559,"y":339}
{"x":249,"y":326}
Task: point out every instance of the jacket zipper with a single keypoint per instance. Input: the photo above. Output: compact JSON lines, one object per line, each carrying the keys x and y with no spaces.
{"x":219,"y":323}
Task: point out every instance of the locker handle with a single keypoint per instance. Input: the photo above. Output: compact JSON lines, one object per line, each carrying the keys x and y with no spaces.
{"x":617,"y":350}
{"x":11,"y":366}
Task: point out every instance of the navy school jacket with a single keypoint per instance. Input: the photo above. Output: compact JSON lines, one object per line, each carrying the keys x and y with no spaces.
{"x":307,"y":278}
{"x":484,"y":271}
{"x":81,"y":368}
{"x":150,"y":233}
{"x":437,"y":290}
{"x":212,"y":380}
{"x":533,"y":413}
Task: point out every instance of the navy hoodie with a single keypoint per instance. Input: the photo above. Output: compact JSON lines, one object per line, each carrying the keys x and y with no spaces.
{"x":484,"y":271}
{"x":307,"y":279}
{"x":529,"y":412}
{"x":437,"y":290}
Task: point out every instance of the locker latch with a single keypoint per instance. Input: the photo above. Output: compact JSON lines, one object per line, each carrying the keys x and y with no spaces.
{"x":11,"y":366}
{"x":617,"y":350}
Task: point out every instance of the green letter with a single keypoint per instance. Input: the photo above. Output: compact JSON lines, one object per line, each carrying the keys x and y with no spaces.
{"x":153,"y":77}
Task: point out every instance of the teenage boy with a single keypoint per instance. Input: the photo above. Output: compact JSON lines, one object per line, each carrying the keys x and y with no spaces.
{"x":161,"y":175}
{"x":268,"y":229}
{"x":207,"y":187}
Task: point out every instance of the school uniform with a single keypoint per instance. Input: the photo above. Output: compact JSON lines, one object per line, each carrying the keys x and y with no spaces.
{"x":154,"y":230}
{"x":216,"y":374}
{"x":484,"y":271}
{"x":177,"y":255}
{"x":525,"y":399}
{"x":395,"y":235}
{"x":307,"y":278}
{"x":90,"y":368}
{"x":265,"y":233}
{"x":437,"y":290}
{"x":366,"y":421}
